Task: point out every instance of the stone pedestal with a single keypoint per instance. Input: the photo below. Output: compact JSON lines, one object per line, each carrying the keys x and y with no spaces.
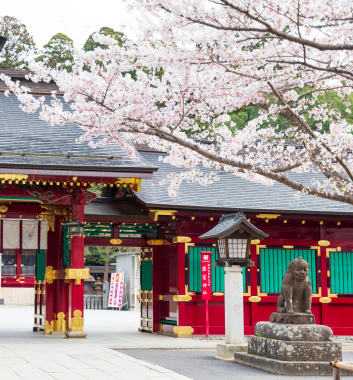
{"x":234,"y":317}
{"x":291,"y":349}
{"x":291,"y":319}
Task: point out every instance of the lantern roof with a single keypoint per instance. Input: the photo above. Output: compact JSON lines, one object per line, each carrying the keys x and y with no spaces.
{"x":231,"y":223}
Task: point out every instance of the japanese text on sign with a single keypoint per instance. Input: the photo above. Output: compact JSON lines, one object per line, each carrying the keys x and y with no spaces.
{"x":116,"y":290}
{"x":206,"y":275}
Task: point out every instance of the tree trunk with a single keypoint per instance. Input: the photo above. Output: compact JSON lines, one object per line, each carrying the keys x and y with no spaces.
{"x":106,"y":266}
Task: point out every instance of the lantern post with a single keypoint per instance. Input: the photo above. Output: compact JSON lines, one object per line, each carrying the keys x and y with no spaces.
{"x":233,"y":235}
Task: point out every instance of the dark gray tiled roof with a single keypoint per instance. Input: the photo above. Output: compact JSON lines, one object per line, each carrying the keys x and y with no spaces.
{"x":232,"y":193}
{"x":25,"y":133}
{"x":232,"y":223}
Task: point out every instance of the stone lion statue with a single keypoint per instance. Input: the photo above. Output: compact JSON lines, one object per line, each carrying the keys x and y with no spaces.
{"x":296,"y":292}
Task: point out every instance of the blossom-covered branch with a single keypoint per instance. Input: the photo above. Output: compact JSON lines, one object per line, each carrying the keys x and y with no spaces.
{"x":195,"y":62}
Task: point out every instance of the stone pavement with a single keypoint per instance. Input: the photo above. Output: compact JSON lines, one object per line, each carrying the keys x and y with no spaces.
{"x":114,"y":349}
{"x":28,"y":355}
{"x":202,"y":365}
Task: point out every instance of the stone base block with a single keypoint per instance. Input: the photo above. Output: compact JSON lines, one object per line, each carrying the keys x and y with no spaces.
{"x":226,"y":351}
{"x":317,"y":368}
{"x":293,"y":319}
{"x":316,"y":333}
{"x":293,"y":350}
{"x":75,"y":334}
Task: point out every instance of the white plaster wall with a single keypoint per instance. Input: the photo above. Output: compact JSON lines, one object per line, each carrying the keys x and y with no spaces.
{"x":18,"y":296}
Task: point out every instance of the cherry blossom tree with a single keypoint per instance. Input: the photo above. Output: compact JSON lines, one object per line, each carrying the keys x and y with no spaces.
{"x":218,"y":56}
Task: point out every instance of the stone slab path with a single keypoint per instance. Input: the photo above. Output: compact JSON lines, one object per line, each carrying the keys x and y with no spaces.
{"x":28,"y":355}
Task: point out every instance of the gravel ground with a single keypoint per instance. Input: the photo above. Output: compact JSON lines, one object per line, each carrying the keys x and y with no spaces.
{"x":201,"y":365}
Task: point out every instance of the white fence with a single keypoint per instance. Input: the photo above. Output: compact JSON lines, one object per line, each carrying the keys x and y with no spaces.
{"x":93,"y":302}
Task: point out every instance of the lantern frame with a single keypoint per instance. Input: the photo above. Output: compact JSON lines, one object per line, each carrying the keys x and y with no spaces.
{"x":75,"y":228}
{"x":233,"y":235}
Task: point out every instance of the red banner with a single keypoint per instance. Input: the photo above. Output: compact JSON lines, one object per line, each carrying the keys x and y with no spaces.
{"x":206,"y":274}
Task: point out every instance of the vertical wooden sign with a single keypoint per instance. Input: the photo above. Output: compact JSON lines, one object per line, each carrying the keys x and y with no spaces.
{"x":206,"y":282}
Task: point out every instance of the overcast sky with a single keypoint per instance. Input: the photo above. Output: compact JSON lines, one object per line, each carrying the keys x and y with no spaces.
{"x":76,"y":18}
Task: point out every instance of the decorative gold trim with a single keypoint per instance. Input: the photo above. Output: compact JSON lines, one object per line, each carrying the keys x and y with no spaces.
{"x":187,"y":245}
{"x":3,"y":208}
{"x":323,"y":243}
{"x":158,"y":242}
{"x":154,"y":214}
{"x":50,"y":274}
{"x":332,"y":295}
{"x":183,"y":330}
{"x":48,"y":326}
{"x":259,"y":292}
{"x":13,"y":177}
{"x":182,"y":298}
{"x":258,"y":247}
{"x":115,"y":241}
{"x":317,"y":248}
{"x":160,"y":297}
{"x":181,"y":239}
{"x":218,"y":294}
{"x":338,"y":249}
{"x":325,"y":299}
{"x":256,"y":241}
{"x":160,"y":328}
{"x":60,"y":323}
{"x":77,"y":321}
{"x":254,"y":299}
{"x":77,"y":275}
{"x":187,"y":293}
{"x":268,"y":216}
{"x":134,"y":183}
{"x":288,"y":246}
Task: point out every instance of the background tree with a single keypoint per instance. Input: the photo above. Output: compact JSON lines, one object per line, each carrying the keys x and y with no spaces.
{"x":91,"y":44}
{"x":20,"y":46}
{"x":99,"y":256}
{"x":60,"y":50}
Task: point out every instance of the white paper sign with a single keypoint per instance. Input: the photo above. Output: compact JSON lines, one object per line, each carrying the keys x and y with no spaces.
{"x":116,"y":290}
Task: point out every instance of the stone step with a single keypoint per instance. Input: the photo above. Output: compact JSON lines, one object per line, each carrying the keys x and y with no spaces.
{"x":279,"y":367}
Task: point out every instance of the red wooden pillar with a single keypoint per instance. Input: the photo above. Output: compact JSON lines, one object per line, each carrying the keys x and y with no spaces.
{"x":76,"y":321}
{"x":50,"y":283}
{"x":61,"y":299}
{"x":253,"y":282}
{"x":181,"y":284}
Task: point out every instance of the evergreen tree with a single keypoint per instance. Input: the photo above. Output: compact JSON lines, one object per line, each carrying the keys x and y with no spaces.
{"x":58,"y":50}
{"x":90,"y":44}
{"x":20,"y":44}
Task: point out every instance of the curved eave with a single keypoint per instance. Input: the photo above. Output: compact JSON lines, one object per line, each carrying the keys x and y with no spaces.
{"x":251,"y":229}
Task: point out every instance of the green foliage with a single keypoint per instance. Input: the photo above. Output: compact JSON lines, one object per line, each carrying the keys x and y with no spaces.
{"x":329,"y":100}
{"x":58,"y":50}
{"x":90,"y":44}
{"x":98,"y":255}
{"x":20,"y":44}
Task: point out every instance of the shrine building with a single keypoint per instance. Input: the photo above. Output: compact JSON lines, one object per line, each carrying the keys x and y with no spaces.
{"x":45,"y":180}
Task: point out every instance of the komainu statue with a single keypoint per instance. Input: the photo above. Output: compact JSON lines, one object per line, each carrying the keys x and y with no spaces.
{"x":296,"y":289}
